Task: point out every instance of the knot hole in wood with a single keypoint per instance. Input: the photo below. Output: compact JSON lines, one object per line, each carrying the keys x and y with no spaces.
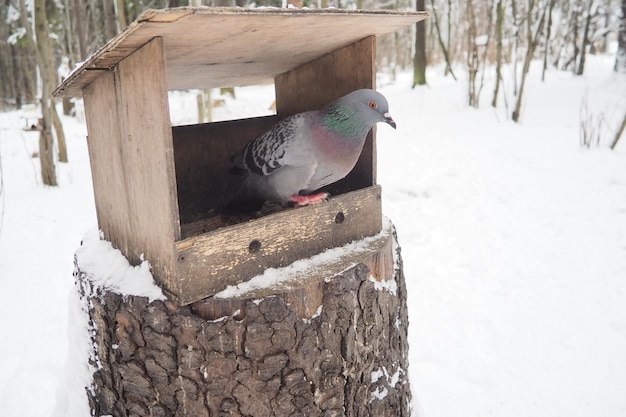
{"x":254,"y":246}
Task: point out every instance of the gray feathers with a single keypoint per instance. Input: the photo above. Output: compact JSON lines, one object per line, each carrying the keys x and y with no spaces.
{"x":309,"y":150}
{"x":263,"y":155}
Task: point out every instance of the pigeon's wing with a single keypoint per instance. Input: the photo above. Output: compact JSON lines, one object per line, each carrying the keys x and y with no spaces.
{"x":270,"y":151}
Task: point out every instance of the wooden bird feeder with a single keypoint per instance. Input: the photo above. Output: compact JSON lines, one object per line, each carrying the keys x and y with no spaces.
{"x":155,"y":185}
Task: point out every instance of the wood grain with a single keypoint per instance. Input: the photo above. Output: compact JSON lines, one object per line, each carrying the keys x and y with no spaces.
{"x":324,"y":80}
{"x":132,"y":159}
{"x":202,"y":156}
{"x":208,"y":263}
{"x":222,"y":47}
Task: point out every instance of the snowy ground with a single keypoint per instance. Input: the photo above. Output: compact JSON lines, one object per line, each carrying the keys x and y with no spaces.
{"x":514,"y":241}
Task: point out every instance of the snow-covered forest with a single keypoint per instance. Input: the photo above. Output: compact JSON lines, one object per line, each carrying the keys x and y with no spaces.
{"x":476,"y":40}
{"x":506,"y":180}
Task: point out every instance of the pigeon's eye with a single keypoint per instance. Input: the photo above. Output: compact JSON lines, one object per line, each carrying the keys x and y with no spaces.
{"x":373,"y":105}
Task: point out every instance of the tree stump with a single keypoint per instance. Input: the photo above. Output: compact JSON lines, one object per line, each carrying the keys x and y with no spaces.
{"x":314,"y":346}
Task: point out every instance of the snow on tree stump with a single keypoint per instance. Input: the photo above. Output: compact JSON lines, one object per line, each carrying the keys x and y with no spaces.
{"x":307,"y":345}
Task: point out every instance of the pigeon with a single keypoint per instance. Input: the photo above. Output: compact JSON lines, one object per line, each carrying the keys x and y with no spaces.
{"x":307,"y":151}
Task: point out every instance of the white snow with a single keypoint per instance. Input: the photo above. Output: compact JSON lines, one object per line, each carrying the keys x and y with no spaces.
{"x":108,"y":269}
{"x":382,"y":391}
{"x":275,"y":277}
{"x":376,"y":375}
{"x":379,"y":394}
{"x":513,"y":239}
{"x":318,"y":312}
{"x":389,"y":285}
{"x":381,"y":372}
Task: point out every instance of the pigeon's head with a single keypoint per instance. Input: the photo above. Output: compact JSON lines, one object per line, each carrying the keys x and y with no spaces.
{"x":370,"y":105}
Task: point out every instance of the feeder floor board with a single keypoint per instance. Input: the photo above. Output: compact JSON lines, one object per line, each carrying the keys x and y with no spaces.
{"x":210,"y":262}
{"x":221,"y":47}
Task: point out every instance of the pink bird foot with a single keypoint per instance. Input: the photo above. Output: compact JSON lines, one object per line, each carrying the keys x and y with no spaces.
{"x":305,"y":200}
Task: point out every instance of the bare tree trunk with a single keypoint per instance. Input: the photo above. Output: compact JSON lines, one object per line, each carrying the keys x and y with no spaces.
{"x":485,"y":47}
{"x":619,"y":132}
{"x":472,"y":55}
{"x":532,"y":38}
{"x":517,"y":26}
{"x":419,"y":61}
{"x":546,"y":52}
{"x":58,"y":129}
{"x":444,"y":49}
{"x":79,"y":13}
{"x":40,"y":43}
{"x":498,"y":35}
{"x":449,"y":40}
{"x":575,"y":28}
{"x":8,"y":87}
{"x":203,"y":101}
{"x":200,"y":106}
{"x":120,"y":14}
{"x":585,"y":40}
{"x":620,"y":58}
{"x":46,"y":143}
{"x":17,"y":77}
{"x":110,"y":29}
{"x":68,"y":27}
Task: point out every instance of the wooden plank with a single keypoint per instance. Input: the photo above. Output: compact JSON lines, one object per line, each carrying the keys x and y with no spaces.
{"x":202,"y":157}
{"x":218,"y":47}
{"x":324,"y":80}
{"x":376,"y":253}
{"x":210,"y":262}
{"x":107,"y":167}
{"x":132,"y":160}
{"x":327,"y":78}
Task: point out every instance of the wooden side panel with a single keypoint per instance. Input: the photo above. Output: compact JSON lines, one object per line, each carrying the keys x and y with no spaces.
{"x":210,"y":262}
{"x":202,"y":156}
{"x":105,"y":156}
{"x":324,"y":80}
{"x":132,"y":158}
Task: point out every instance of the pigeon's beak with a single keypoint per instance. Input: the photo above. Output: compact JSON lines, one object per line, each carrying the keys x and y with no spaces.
{"x":389,"y":120}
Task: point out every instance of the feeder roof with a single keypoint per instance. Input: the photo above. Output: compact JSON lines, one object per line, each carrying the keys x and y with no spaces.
{"x":222,"y":47}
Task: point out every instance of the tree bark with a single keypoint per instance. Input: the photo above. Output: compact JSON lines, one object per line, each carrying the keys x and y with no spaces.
{"x":444,"y":49}
{"x":580,"y":69}
{"x":498,"y":36}
{"x":79,"y":13}
{"x":619,"y":132}
{"x":330,"y":347}
{"x":546,"y":51}
{"x":20,"y":89}
{"x":44,"y":61}
{"x":110,"y":26}
{"x":532,"y":40}
{"x":471,"y":55}
{"x":620,"y":58}
{"x":419,"y":61}
{"x":58,"y":129}
{"x":120,"y":14}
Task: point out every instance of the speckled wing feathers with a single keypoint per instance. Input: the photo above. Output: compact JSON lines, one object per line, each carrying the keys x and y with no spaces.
{"x":265,"y":154}
{"x":307,"y":151}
